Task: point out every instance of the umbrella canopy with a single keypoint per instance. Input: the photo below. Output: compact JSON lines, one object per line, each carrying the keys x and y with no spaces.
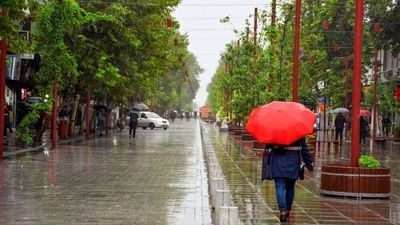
{"x":140,"y":106}
{"x":364,"y":112}
{"x":340,"y":110}
{"x":280,"y":122}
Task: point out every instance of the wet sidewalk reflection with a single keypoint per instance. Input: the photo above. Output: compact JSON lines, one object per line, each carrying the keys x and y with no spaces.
{"x":157,"y":178}
{"x":256,"y":199}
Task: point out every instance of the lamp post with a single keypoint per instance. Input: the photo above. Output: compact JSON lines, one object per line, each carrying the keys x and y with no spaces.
{"x":356,"y":95}
{"x":54,"y":119}
{"x":3,"y":60}
{"x":296,"y":52}
{"x":377,"y":29}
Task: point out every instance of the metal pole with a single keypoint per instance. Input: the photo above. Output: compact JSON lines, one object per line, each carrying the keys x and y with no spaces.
{"x":255,"y":31}
{"x":3,"y":62}
{"x":296,"y":52}
{"x":356,"y":96}
{"x":375,"y":91}
{"x":54,"y":119}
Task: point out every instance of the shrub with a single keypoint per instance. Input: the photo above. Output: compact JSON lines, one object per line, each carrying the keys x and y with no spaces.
{"x":368,"y":162}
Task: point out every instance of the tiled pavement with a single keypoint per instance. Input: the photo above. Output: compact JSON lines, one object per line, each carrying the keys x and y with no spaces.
{"x":159,"y":178}
{"x":256,"y":199}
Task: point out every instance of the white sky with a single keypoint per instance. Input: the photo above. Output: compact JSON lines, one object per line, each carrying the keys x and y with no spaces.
{"x":200,"y":19}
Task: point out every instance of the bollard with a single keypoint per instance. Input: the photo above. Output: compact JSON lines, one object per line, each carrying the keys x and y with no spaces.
{"x":228,"y":215}
{"x":216,"y":184}
{"x":222,"y":198}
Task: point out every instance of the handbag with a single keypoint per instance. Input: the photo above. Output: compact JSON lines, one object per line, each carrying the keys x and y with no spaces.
{"x":266,"y":172}
{"x":301,"y":169}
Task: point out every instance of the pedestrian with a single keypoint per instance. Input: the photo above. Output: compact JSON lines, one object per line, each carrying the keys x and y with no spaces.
{"x":6,"y":120}
{"x":363,"y":131}
{"x":386,"y":123}
{"x":100,"y":121}
{"x":187,"y":115}
{"x":285,"y":168}
{"x":173,"y":115}
{"x":133,"y":123}
{"x":340,"y":121}
{"x":11,"y":118}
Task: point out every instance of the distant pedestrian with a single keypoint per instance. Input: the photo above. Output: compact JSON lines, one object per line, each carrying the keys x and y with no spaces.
{"x":6,"y":119}
{"x":340,"y":121}
{"x":133,"y":123}
{"x":100,"y":121}
{"x":10,"y":119}
{"x":187,"y":115}
{"x":173,"y":115}
{"x":363,"y":131}
{"x":386,"y":123}
{"x":285,"y":168}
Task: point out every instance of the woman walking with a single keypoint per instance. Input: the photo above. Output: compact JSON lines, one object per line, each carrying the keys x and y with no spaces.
{"x":285,"y":167}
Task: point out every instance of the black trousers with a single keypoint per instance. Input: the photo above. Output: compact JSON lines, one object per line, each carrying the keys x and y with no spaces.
{"x":339,"y":134}
{"x":132,"y":128}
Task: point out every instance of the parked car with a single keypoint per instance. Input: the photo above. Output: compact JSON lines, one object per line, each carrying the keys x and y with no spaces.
{"x":152,"y":120}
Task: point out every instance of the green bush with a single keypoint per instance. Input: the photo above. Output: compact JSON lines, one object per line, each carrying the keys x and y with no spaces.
{"x":367,"y":161}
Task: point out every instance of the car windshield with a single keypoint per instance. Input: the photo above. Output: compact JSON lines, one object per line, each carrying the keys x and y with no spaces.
{"x":153,"y":115}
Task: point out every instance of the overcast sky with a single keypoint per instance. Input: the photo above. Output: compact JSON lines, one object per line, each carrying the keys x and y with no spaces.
{"x":207,"y":36}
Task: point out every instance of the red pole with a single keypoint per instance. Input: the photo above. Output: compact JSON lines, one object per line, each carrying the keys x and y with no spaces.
{"x":3,"y":60}
{"x":375,"y":90}
{"x":54,"y":119}
{"x":356,"y":97}
{"x":296,"y":52}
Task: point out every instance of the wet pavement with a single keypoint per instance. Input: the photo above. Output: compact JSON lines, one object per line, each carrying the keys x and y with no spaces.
{"x":256,"y":199}
{"x":157,"y":178}
{"x":160,"y":178}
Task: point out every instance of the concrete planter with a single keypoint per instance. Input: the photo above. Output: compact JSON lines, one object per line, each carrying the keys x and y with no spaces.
{"x":345,"y":180}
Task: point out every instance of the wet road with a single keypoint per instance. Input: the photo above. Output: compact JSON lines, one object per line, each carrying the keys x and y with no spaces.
{"x":159,"y":178}
{"x":256,"y":199}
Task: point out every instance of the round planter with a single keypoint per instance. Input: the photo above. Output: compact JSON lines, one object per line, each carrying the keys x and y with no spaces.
{"x":345,"y":180}
{"x":247,"y":137}
{"x":237,"y":133}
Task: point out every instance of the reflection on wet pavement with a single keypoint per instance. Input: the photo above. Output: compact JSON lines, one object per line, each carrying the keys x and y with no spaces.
{"x":256,"y":199}
{"x":157,"y":178}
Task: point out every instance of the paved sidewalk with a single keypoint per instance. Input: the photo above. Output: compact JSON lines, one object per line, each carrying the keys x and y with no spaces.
{"x":159,"y":178}
{"x":256,"y":202}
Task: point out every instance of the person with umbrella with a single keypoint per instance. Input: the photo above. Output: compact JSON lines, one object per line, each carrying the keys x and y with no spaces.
{"x":363,"y":130}
{"x":285,"y":170}
{"x":133,"y":122}
{"x":340,"y":120}
{"x":100,"y":121}
{"x":282,"y":126}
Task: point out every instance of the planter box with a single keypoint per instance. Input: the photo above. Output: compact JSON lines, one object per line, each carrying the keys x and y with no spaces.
{"x":237,"y":133}
{"x":345,"y":180}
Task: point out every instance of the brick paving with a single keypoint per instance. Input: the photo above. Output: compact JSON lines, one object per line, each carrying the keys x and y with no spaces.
{"x":256,"y":199}
{"x":159,"y":178}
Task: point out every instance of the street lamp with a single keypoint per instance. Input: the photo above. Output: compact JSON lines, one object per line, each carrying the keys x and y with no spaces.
{"x":296,"y":52}
{"x":377,"y":29}
{"x":356,"y":95}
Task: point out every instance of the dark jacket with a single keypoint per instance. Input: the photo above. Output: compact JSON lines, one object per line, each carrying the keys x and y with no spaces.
{"x":286,"y":163}
{"x":340,"y":120}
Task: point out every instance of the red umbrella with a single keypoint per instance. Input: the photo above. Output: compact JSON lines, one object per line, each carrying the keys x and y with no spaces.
{"x":364,"y":112}
{"x":280,"y":122}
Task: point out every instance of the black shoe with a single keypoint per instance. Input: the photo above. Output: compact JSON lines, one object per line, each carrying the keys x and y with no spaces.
{"x":284,"y":216}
